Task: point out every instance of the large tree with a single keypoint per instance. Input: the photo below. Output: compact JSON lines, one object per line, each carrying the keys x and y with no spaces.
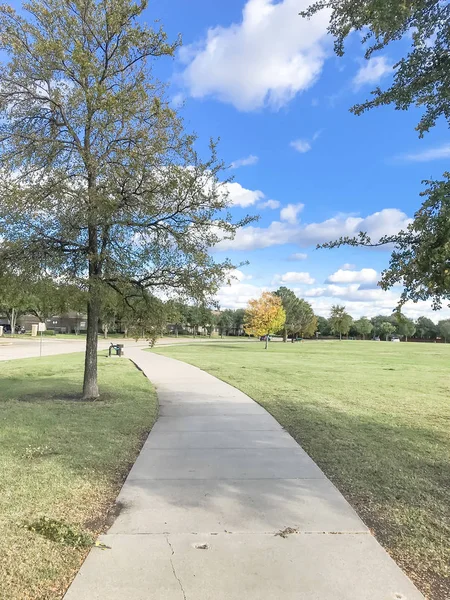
{"x":304,"y":322}
{"x":98,"y":180}
{"x":420,"y":260}
{"x":264,"y":315}
{"x":340,"y":321}
{"x":444,"y":329}
{"x":14,"y":298}
{"x":225,"y":321}
{"x":425,"y":328}
{"x":405,"y":327}
{"x":300,"y":318}
{"x":290,"y":303}
{"x":363,"y":326}
{"x":323,"y":326}
{"x":238,"y":320}
{"x":387,"y":329}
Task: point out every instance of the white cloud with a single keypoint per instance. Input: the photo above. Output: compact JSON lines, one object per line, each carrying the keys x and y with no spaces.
{"x":301,"y":146}
{"x":241,"y":196}
{"x":366,"y":276}
{"x":273,"y":204}
{"x":294,"y":277}
{"x":358,"y":302}
{"x":427,"y":155}
{"x":348,"y":267}
{"x":385,"y":222}
{"x":238,"y":275}
{"x":372,"y":72}
{"x":289,"y":213}
{"x":265,"y":60}
{"x":244,"y":162}
{"x":298,"y":256}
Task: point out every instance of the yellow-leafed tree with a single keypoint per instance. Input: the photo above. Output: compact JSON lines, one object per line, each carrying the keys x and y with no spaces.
{"x":264,"y":316}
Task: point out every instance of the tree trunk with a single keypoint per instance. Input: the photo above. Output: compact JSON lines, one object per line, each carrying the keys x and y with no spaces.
{"x":176,"y":331}
{"x":340,"y":336}
{"x":285,"y":334}
{"x":90,"y":386}
{"x":12,"y":321}
{"x":105,"y":332}
{"x":267,"y":342}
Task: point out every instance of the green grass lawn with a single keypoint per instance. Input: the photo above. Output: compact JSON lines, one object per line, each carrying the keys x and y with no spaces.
{"x":64,"y":460}
{"x":376,"y":418}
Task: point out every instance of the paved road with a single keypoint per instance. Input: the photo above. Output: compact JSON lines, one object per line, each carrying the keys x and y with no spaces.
{"x":216,"y":482}
{"x":30,"y":348}
{"x":26,"y":347}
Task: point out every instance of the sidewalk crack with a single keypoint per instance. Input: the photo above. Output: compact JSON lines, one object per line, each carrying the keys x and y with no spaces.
{"x":173,"y":569}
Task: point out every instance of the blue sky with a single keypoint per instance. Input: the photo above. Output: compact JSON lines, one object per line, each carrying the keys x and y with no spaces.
{"x":265,"y":81}
{"x":268,"y":84}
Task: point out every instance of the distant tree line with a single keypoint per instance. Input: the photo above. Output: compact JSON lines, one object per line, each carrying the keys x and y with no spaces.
{"x":134,"y":314}
{"x":340,"y":323}
{"x":145,"y":315}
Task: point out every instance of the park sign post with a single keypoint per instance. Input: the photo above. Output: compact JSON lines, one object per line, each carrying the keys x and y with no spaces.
{"x":41,"y":328}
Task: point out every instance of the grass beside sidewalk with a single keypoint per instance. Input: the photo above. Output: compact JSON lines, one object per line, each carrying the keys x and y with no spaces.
{"x":62,"y":462}
{"x":375,"y":417}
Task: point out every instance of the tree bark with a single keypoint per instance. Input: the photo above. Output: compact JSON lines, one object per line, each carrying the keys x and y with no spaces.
{"x":267,"y":342}
{"x":340,"y":336}
{"x":285,"y":334}
{"x":12,"y":320}
{"x":90,"y":386}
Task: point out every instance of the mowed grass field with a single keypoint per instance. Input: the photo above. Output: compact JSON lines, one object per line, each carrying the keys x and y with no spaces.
{"x":376,"y":418}
{"x":62,"y":463}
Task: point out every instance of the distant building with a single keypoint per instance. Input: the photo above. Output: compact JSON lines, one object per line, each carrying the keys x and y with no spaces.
{"x":70,"y":322}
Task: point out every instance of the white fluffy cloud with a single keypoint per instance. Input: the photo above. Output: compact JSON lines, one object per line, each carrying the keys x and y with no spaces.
{"x":241,"y":196}
{"x":290,"y":212}
{"x":301,"y":146}
{"x":273,"y":204}
{"x":265,"y":60}
{"x":358,"y":302}
{"x":385,"y":222}
{"x":427,"y":155}
{"x":372,"y":71}
{"x":244,"y":162}
{"x":294,"y":277}
{"x":366,"y":276}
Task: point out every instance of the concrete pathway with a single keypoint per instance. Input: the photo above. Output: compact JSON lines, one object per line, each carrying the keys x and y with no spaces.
{"x":26,"y":347}
{"x":223,"y":504}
